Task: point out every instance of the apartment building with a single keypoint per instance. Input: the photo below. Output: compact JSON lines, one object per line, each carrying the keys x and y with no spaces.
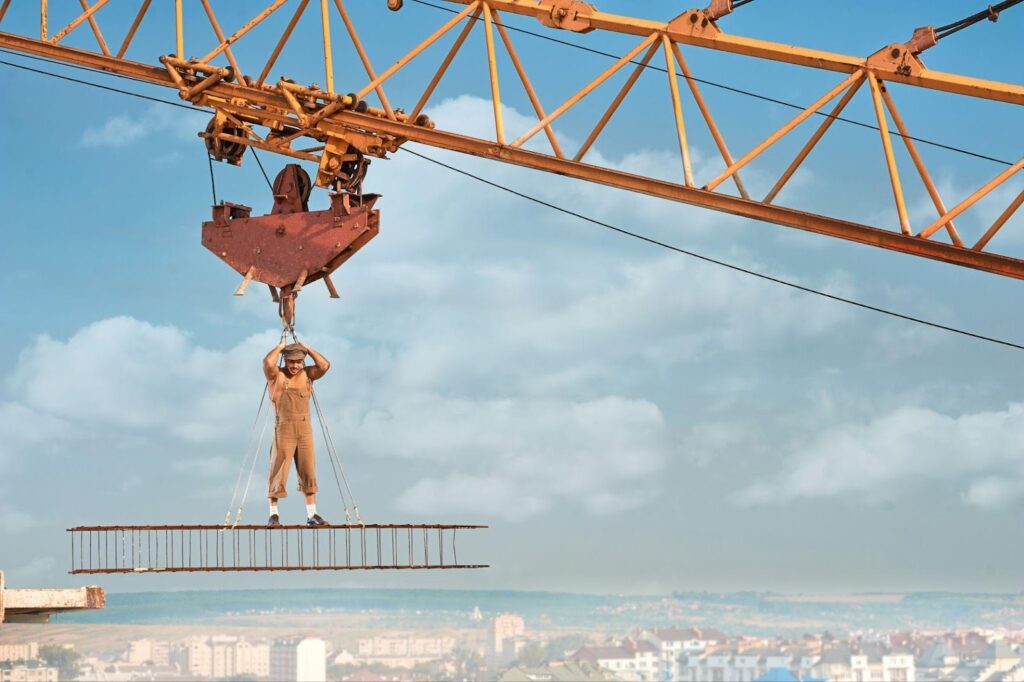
{"x":298,"y":660}
{"x":19,"y":652}
{"x":403,"y":651}
{"x":630,"y":660}
{"x":223,"y":656}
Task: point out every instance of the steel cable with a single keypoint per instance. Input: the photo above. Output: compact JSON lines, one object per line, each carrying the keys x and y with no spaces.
{"x":260,"y":164}
{"x":213,"y":183}
{"x":332,"y":450}
{"x":245,"y":459}
{"x":991,"y":13}
{"x":335,"y":463}
{"x":715,"y":261}
{"x":255,"y":457}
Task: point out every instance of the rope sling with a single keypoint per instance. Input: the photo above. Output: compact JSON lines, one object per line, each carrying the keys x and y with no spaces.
{"x":251,"y":455}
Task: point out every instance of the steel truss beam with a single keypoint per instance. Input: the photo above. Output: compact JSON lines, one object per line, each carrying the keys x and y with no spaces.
{"x":690,"y":28}
{"x":200,"y":548}
{"x":342,"y":124}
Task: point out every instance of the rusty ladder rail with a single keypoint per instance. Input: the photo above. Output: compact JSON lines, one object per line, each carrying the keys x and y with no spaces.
{"x":205,"y":548}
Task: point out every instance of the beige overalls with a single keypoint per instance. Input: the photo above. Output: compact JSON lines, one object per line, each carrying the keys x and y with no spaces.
{"x":293,"y":434}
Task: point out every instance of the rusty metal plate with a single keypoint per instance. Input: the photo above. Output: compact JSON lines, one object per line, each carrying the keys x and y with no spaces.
{"x":280,"y":247}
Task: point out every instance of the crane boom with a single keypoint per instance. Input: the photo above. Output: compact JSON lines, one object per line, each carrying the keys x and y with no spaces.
{"x":345,"y":128}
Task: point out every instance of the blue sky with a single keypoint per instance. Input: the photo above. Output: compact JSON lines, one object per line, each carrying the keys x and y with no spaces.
{"x":626,"y":419}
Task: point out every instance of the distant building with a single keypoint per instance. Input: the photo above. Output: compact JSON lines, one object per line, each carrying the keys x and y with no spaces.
{"x":19,"y":652}
{"x":200,"y":657}
{"x":311,"y":660}
{"x":403,"y":652}
{"x":786,"y":675}
{"x":567,"y":671}
{"x":1000,"y":662}
{"x":222,"y":656}
{"x":938,"y":661}
{"x":674,"y":642}
{"x":27,"y":673}
{"x":631,"y":660}
{"x":867,"y":662}
{"x":755,"y":664}
{"x":142,"y":651}
{"x":252,"y":659}
{"x":501,"y":635}
{"x":299,"y":660}
{"x":344,"y":657}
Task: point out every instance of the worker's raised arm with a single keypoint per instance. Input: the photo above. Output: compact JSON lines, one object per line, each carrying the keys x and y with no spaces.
{"x":320,"y":364}
{"x":270,"y":362}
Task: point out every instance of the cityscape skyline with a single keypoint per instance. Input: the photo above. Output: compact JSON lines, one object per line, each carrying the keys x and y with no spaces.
{"x":438,"y":644}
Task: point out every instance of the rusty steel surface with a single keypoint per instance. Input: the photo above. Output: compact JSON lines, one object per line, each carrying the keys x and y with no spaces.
{"x":206,"y":548}
{"x":345,"y":128}
{"x":291,"y":246}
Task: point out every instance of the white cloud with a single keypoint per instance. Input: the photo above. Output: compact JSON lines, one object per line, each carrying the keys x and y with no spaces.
{"x":16,"y":521}
{"x":121,"y":373}
{"x":541,"y":332}
{"x":118,"y":131}
{"x":912,"y":447}
{"x":122,"y":376}
{"x":899,"y":341}
{"x":206,"y":467}
{"x":128,"y":377}
{"x":516,"y":458}
{"x":22,"y":427}
{"x":992,"y":493}
{"x":123,"y":130}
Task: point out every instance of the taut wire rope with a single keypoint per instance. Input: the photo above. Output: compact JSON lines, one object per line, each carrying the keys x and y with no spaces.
{"x":333,"y":452}
{"x":715,"y":261}
{"x":991,"y":13}
{"x":245,"y":459}
{"x":213,"y":183}
{"x":262,"y":170}
{"x":252,"y":468}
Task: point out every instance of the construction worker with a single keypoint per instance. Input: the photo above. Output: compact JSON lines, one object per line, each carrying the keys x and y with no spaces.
{"x":290,"y":389}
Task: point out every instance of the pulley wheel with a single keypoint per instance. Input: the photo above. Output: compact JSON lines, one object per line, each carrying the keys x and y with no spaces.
{"x":221,"y":149}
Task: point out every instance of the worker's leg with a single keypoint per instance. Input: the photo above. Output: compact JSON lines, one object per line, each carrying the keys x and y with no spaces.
{"x":305,"y":465}
{"x":305,"y":458}
{"x":285,"y":444}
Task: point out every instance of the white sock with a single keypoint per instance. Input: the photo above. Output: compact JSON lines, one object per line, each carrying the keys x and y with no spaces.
{"x":310,"y":510}
{"x":273,"y":508}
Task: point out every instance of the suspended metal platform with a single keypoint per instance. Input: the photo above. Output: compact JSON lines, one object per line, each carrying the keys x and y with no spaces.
{"x":167,"y":549}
